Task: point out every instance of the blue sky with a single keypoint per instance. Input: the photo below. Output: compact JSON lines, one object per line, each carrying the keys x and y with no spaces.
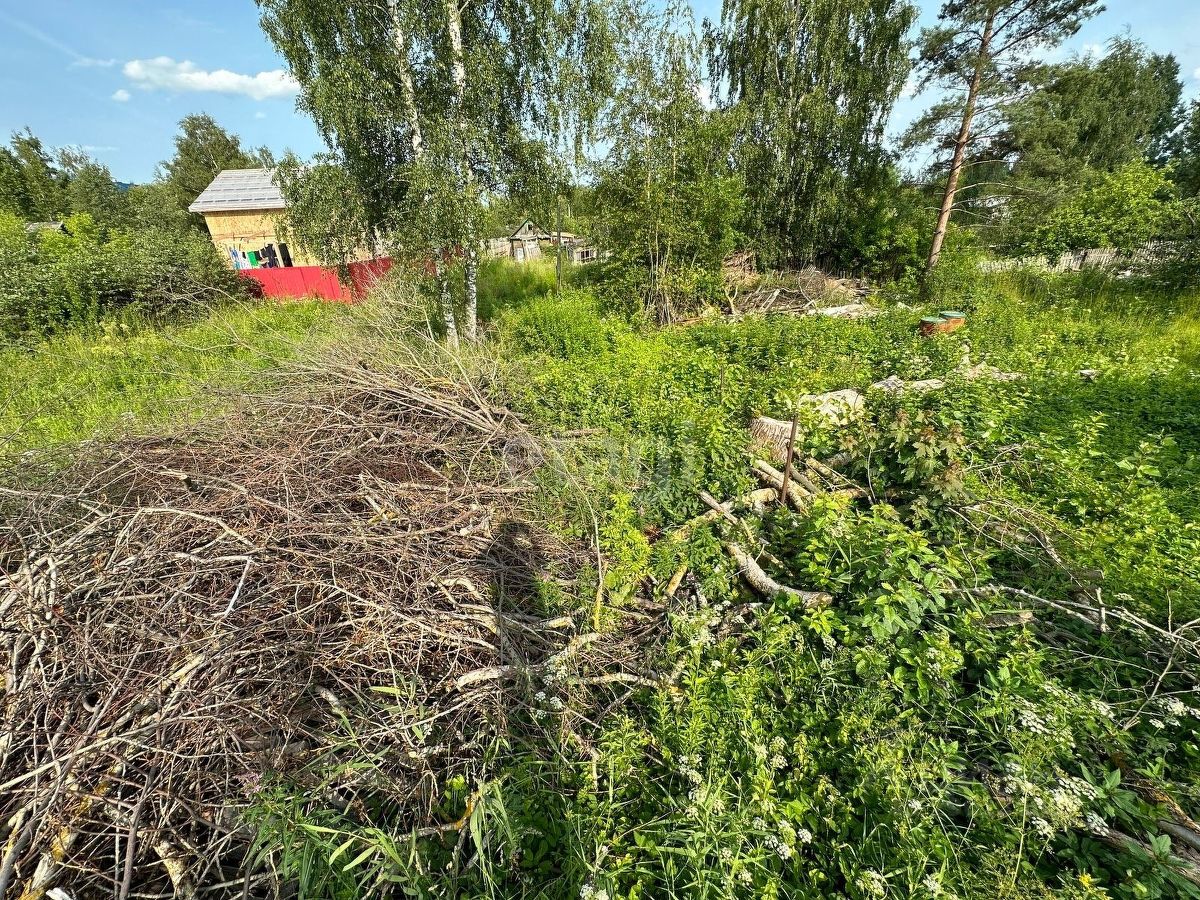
{"x":115,"y":76}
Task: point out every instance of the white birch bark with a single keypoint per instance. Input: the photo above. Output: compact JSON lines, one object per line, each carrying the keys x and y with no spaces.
{"x":400,"y":44}
{"x":471,"y":272}
{"x":447,"y":304}
{"x":458,"y":70}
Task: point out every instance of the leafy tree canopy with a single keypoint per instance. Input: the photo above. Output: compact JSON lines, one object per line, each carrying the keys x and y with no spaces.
{"x":202,"y":149}
{"x":1095,"y":113}
{"x":813,"y":103}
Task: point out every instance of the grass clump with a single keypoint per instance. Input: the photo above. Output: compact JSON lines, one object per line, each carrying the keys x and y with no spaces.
{"x":130,"y":373}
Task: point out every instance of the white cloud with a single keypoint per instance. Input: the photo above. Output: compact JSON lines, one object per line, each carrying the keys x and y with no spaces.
{"x":90,"y":62}
{"x":260,"y":115}
{"x":121,"y":95}
{"x":912,"y":85}
{"x":164,"y":73}
{"x":99,"y":148}
{"x":1196,"y":74}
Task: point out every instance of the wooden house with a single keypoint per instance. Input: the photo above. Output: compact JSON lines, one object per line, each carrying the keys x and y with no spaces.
{"x":241,"y":209}
{"x":531,"y":241}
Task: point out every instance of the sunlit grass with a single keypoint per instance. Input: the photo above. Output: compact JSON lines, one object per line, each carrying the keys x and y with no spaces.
{"x":81,"y":385}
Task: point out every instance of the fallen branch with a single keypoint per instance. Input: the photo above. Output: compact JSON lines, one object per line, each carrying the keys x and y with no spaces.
{"x":756,"y":500}
{"x":768,"y":586}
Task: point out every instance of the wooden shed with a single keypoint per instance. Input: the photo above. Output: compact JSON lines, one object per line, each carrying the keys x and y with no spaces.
{"x":241,"y":209}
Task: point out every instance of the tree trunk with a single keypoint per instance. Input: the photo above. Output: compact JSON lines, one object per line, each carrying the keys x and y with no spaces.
{"x":458,"y":70}
{"x":400,"y":44}
{"x":447,"y":304}
{"x":960,"y":147}
{"x":471,"y":273}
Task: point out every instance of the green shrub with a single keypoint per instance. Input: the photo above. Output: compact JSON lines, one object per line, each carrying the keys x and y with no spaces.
{"x":51,"y":281}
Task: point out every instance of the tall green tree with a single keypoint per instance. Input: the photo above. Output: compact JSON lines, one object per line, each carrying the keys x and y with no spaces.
{"x":429,"y":107}
{"x":1099,"y":113}
{"x":32,"y":186}
{"x":976,"y":51}
{"x":202,"y":149}
{"x":669,"y":192}
{"x":815,"y":81}
{"x":91,"y":189}
{"x":1187,"y":159}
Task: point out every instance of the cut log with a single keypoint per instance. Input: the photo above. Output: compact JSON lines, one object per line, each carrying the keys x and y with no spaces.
{"x":799,"y":490}
{"x":768,"y":586}
{"x":846,"y":311}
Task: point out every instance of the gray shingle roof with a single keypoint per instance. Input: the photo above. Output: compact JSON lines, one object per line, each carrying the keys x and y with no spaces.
{"x":237,"y":189}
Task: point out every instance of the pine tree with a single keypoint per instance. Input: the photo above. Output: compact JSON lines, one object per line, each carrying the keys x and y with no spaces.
{"x":975,"y":51}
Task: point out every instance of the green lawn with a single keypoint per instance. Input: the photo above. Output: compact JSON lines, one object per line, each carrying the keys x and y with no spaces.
{"x":119,"y":376}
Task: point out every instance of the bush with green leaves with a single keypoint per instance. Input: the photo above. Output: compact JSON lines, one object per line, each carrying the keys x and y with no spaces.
{"x":1123,"y":209}
{"x":52,"y":280}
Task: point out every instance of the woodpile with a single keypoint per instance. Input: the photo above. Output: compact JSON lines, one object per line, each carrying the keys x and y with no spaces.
{"x":799,"y":293}
{"x":335,"y":589}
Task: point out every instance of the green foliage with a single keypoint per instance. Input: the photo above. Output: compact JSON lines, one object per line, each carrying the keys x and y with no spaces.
{"x":670,"y":197}
{"x":128,"y":373}
{"x":1092,"y":113}
{"x":977,"y":52}
{"x":32,"y":187}
{"x":811,"y":104}
{"x":894,"y":744}
{"x":1123,"y":209}
{"x":324,"y":216}
{"x":1187,"y":167}
{"x":50,"y":281}
{"x":202,"y":149}
{"x":885,"y":229}
{"x":504,"y":284}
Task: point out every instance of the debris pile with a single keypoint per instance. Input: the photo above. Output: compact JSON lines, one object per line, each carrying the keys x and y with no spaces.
{"x":801,"y":293}
{"x":333,"y":588}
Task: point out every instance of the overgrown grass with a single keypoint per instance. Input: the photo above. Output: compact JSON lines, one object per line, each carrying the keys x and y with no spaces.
{"x":134,"y":375}
{"x":849,"y":752}
{"x":504,"y":284}
{"x":912,"y":740}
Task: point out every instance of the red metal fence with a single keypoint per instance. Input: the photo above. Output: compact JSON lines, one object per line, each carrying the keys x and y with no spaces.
{"x":314,"y":281}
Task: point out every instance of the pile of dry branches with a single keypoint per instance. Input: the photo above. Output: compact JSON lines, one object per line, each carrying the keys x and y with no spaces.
{"x":803,"y":292}
{"x":334,"y":579}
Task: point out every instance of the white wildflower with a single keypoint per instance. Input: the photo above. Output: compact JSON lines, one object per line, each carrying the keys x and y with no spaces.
{"x":803,"y":836}
{"x":1041,"y":826}
{"x":778,"y":762}
{"x":760,"y":823}
{"x":933,"y":884}
{"x":779,"y":846}
{"x":873,"y":883}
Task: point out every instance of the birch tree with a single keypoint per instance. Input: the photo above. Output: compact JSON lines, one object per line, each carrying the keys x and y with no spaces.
{"x":814,"y":82}
{"x":975,"y":51}
{"x":430,"y":107}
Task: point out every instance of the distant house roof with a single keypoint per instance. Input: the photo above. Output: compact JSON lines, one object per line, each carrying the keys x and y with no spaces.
{"x":238,"y":189}
{"x":529,"y":229}
{"x":34,"y":227}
